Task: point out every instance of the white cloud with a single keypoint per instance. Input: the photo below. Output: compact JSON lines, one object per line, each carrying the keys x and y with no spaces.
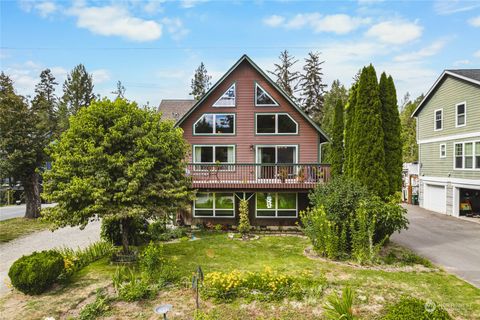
{"x":336,"y":23}
{"x":153,"y":6}
{"x":445,"y":7}
{"x":475,"y":21}
{"x":115,"y":21}
{"x":190,"y":3}
{"x":45,"y":8}
{"x":100,"y":76}
{"x":428,"y":51}
{"x":175,"y":28}
{"x":395,"y":31}
{"x":274,"y":21}
{"x":461,"y":62}
{"x":477,"y":54}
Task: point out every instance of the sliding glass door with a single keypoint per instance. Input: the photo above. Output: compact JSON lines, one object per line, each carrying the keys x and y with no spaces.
{"x":272,"y":158}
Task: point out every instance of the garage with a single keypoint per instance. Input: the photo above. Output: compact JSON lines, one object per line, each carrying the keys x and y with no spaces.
{"x":435,"y":198}
{"x":469,"y":204}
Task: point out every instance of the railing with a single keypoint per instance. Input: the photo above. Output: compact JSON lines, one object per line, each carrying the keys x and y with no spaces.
{"x":256,"y":175}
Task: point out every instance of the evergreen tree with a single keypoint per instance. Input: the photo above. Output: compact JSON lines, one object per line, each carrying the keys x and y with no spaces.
{"x":119,"y":91}
{"x":45,"y":103}
{"x":22,"y":140}
{"x":391,"y":130}
{"x":409,"y":130}
{"x":200,"y":82}
{"x":312,"y":86}
{"x":337,"y":92}
{"x":349,"y":130}
{"x":285,"y":77}
{"x":77,"y":89}
{"x":337,"y":140}
{"x":366,"y":145}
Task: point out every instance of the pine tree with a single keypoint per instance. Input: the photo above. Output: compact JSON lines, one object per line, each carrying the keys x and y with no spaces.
{"x":312,"y":86}
{"x":119,"y":91}
{"x":200,"y":82}
{"x":366,"y":145}
{"x":337,"y":92}
{"x":349,"y":130}
{"x":78,"y":89}
{"x":337,"y":140}
{"x":285,"y":77}
{"x":391,"y":130}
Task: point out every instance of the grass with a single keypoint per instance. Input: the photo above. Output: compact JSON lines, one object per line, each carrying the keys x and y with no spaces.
{"x":13,"y":228}
{"x":374,"y":289}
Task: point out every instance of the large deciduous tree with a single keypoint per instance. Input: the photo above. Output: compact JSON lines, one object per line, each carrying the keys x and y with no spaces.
{"x":312,"y":87}
{"x":285,"y":76}
{"x":200,"y":82}
{"x":116,"y":161}
{"x":392,"y":143}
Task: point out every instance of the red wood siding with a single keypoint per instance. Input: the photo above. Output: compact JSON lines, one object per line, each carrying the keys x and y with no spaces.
{"x":245,"y":76}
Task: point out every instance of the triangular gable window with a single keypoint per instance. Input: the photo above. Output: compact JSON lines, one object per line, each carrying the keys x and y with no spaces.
{"x":227,"y":99}
{"x":262,"y":98}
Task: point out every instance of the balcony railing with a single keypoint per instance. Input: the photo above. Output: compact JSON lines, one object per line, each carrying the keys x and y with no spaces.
{"x":258,"y":176}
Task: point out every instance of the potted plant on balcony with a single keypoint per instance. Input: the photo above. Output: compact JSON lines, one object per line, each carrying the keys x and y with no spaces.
{"x":283,"y":174}
{"x":301,"y":174}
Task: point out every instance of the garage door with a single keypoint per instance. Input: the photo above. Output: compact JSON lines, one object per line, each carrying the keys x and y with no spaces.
{"x":435,"y":198}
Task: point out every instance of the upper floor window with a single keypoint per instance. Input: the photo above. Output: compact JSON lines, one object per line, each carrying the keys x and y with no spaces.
{"x":275,"y":123}
{"x":461,"y":114}
{"x":443,"y":150}
{"x":215,"y":123}
{"x":227,"y":99}
{"x":438,"y":120}
{"x":213,"y":154}
{"x":467,"y":155}
{"x":262,"y":98}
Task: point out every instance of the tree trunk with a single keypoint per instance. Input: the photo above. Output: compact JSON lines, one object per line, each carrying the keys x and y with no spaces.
{"x":125,"y":224}
{"x":31,"y":186}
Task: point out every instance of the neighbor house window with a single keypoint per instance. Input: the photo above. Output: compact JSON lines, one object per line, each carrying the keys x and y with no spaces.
{"x":208,"y":204}
{"x":262,"y":98}
{"x":275,"y":123}
{"x":461,"y":114}
{"x":214,"y":123}
{"x":210,"y":154}
{"x":443,"y":150}
{"x":276,"y":205}
{"x":227,"y":99}
{"x":467,"y":155}
{"x":438,"y":119}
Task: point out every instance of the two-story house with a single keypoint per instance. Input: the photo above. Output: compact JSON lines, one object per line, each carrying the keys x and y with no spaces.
{"x":249,"y":140}
{"x":448,"y":136}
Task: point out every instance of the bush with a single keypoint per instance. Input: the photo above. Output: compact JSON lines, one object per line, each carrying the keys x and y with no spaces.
{"x":409,"y":308}
{"x":244,"y":224}
{"x":155,"y":266}
{"x":131,"y":286}
{"x":156,"y":233}
{"x":97,"y":308}
{"x":339,"y":197}
{"x":362,"y":232}
{"x":35,"y":273}
{"x":137,"y":233}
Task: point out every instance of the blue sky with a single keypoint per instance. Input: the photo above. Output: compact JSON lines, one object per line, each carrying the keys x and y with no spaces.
{"x":153,"y":47}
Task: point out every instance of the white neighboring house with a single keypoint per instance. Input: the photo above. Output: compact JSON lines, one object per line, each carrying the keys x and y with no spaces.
{"x":448,"y":136}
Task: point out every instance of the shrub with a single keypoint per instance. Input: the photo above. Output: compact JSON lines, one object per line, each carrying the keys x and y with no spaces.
{"x":409,"y":308}
{"x":131,"y":286}
{"x":339,"y":197}
{"x":362,"y":231}
{"x":168,"y":234}
{"x":155,"y":266}
{"x":137,"y":233}
{"x":97,"y":308}
{"x":340,"y":307}
{"x":244,"y":224}
{"x":35,"y":273}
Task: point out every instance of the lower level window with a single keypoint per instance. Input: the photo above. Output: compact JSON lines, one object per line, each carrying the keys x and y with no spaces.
{"x":208,"y":204}
{"x":276,"y":205}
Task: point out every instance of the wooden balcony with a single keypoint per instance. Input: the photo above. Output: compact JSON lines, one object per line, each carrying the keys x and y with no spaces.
{"x":245,"y":176}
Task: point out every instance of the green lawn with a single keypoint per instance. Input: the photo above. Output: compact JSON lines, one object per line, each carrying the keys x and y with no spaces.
{"x":13,"y":228}
{"x":214,"y":252}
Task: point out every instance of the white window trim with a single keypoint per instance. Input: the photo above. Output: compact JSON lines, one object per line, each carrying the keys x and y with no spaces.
{"x":266,"y":92}
{"x":235,"y":98}
{"x":214,"y":122}
{"x":445,"y":149}
{"x":435,"y":120}
{"x":276,"y":123}
{"x":474,"y":143}
{"x":276,"y":150}
{"x":456,"y":115}
{"x":227,"y":164}
{"x":214,"y":209}
{"x":276,"y":208}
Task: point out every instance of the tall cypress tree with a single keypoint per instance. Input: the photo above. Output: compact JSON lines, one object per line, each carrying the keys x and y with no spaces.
{"x":312,"y":86}
{"x":391,"y":130}
{"x":200,"y":82}
{"x":367,"y":148}
{"x":349,"y":130}
{"x":337,"y":140}
{"x":286,"y":78}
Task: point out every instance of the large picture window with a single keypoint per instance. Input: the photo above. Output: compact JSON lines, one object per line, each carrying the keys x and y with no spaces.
{"x":275,"y":123}
{"x":211,"y":205}
{"x":467,"y":155}
{"x":227,"y":99}
{"x":214,"y":123}
{"x":276,"y":205}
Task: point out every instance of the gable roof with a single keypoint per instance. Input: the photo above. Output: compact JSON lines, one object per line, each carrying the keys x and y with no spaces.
{"x":468,"y":75}
{"x":264,"y":75}
{"x":174,"y":109}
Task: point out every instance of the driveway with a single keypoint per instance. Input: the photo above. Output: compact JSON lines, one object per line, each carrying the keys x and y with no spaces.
{"x":449,"y":242}
{"x":44,"y":240}
{"x":17,"y":211}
